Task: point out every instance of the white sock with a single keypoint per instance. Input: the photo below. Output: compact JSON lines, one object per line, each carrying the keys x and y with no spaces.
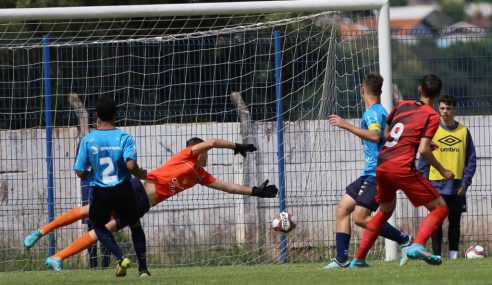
{"x":453,"y":254}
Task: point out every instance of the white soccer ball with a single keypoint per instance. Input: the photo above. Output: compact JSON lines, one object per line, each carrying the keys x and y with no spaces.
{"x":283,"y":223}
{"x":475,"y":251}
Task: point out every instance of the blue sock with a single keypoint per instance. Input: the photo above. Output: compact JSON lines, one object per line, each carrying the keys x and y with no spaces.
{"x":139,"y":243}
{"x":343,"y":242}
{"x":107,"y":239}
{"x":390,"y":232}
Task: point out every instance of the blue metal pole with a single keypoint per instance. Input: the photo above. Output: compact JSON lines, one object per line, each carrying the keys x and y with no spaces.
{"x":280,"y":137}
{"x":49,"y":138}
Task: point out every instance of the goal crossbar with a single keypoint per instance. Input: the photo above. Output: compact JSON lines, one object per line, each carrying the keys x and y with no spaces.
{"x":194,"y":9}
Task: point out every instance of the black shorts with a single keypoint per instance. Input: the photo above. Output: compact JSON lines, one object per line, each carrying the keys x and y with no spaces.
{"x":456,"y":204}
{"x":143,"y":204}
{"x":119,"y":198}
{"x":363,"y":191}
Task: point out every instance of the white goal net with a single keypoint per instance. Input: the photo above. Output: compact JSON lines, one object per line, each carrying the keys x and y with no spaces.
{"x":265,"y":78}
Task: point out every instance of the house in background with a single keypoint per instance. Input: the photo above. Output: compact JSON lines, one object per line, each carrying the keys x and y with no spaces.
{"x":460,"y":32}
{"x":418,"y":19}
{"x":408,"y":22}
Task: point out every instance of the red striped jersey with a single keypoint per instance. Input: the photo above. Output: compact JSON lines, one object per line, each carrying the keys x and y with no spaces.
{"x":408,"y":122}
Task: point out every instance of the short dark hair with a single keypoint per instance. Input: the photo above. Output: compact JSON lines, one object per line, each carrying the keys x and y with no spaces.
{"x":449,"y":100}
{"x":431,"y":84}
{"x":193,"y":141}
{"x":106,"y":108}
{"x":374,"y":82}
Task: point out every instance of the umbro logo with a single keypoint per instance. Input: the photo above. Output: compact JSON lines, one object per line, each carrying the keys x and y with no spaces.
{"x":449,"y":140}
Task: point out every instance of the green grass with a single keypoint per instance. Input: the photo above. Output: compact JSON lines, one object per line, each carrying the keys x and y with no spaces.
{"x":454,"y":272}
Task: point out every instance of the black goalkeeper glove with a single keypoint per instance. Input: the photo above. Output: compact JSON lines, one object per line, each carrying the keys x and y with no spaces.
{"x":265,"y":190}
{"x":244,"y":148}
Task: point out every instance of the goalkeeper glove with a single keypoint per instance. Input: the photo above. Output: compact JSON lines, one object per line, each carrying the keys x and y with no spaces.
{"x":265,"y":190}
{"x":244,"y":148}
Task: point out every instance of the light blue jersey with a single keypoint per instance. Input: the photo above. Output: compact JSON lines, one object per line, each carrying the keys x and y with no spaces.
{"x":105,"y":152}
{"x":373,"y":119}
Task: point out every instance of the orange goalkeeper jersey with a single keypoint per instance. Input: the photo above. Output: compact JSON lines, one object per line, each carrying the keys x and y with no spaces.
{"x":178,"y":174}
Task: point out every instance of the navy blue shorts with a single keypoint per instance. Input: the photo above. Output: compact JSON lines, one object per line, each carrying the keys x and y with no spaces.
{"x":363,"y":191}
{"x":119,"y":198}
{"x":143,"y":204}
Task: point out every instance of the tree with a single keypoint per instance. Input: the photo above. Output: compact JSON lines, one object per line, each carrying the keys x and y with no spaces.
{"x":454,"y":8}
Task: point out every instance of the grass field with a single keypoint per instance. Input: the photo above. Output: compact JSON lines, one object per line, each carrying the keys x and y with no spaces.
{"x":462,"y":271}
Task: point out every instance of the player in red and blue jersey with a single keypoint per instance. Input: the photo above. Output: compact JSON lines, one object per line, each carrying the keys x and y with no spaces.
{"x":411,"y":126}
{"x":359,"y":196}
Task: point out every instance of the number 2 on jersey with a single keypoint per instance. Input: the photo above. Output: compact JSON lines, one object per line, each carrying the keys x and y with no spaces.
{"x":106,"y":177}
{"x":395,"y":134}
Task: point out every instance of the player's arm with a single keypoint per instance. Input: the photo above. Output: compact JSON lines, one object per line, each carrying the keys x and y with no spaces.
{"x":82,"y":161}
{"x":470,"y":165}
{"x":368,"y":135}
{"x":134,"y":169}
{"x":264,"y":190}
{"x":425,"y":151}
{"x":219,"y":143}
{"x":130,"y":156}
{"x":423,"y":167}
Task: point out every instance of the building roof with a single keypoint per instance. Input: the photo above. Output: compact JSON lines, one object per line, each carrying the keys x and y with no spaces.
{"x":464,"y":27}
{"x":408,"y":17}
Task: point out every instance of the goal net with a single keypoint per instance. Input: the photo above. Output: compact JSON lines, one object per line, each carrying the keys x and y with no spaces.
{"x":268,"y":78}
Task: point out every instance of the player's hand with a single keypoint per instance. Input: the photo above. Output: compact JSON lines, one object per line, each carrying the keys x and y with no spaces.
{"x":265,"y":190}
{"x":461,"y":191}
{"x":447,"y":174}
{"x":244,"y":148}
{"x":434,"y":146}
{"x":142,"y":173}
{"x":337,"y":121}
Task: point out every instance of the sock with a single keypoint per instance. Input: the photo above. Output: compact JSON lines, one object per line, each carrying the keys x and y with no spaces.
{"x":343,"y":242}
{"x":390,"y":232}
{"x":371,"y":233}
{"x":68,"y":218}
{"x":453,"y":254}
{"x":430,"y":224}
{"x":107,"y":239}
{"x":81,"y":243}
{"x":139,"y":243}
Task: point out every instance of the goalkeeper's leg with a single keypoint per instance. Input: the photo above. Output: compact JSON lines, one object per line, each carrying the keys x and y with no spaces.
{"x":81,"y":243}
{"x":67,"y":218}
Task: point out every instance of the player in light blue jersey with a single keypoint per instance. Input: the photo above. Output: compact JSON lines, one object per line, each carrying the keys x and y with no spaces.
{"x":107,"y":152}
{"x":107,"y":159}
{"x":359,"y":196}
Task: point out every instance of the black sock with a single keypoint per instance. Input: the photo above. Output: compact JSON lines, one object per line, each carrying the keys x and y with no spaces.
{"x":139,"y":243}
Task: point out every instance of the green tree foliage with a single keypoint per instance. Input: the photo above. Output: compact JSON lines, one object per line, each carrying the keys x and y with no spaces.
{"x":454,"y":8}
{"x":394,"y":3}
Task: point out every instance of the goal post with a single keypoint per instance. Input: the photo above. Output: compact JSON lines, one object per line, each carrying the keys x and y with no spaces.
{"x":185,"y":70}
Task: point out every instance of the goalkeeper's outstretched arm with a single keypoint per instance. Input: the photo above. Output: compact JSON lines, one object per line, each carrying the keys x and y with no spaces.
{"x":207,"y":145}
{"x":263,"y":191}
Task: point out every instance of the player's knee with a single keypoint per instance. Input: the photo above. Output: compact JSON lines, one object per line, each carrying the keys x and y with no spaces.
{"x":361,"y":220}
{"x":342,"y":211}
{"x":445,"y":209}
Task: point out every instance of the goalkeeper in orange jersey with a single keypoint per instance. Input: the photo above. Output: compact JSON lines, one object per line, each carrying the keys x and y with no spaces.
{"x":181,"y":172}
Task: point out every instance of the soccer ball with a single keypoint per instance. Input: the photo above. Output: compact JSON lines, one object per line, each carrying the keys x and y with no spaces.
{"x":475,"y":251}
{"x":283,"y":223}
